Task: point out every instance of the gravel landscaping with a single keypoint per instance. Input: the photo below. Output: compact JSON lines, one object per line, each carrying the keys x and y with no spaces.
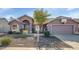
{"x":48,"y":43}
{"x":52,"y":43}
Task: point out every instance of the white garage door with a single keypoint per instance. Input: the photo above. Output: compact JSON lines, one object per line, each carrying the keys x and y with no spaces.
{"x":62,"y":29}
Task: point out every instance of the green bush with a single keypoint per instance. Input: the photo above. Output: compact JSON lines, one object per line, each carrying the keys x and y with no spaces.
{"x":5,"y":41}
{"x":16,"y":32}
{"x":46,"y":33}
{"x":10,"y":32}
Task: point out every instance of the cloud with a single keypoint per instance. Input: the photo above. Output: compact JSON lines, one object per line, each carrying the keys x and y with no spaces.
{"x":73,"y":14}
{"x":8,"y":17}
{"x":69,"y":9}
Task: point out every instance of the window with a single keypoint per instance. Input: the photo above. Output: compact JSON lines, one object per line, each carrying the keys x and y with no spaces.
{"x":14,"y":26}
{"x":63,"y":20}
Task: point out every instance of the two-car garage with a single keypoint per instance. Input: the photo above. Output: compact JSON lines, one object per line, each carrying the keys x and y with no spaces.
{"x":61,"y":29}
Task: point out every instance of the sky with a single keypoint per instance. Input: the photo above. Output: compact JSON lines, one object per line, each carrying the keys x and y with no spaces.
{"x":17,"y":12}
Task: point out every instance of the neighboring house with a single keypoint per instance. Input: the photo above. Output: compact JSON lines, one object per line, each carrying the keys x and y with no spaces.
{"x":22,"y":23}
{"x":63,"y":25}
{"x":4,"y":27}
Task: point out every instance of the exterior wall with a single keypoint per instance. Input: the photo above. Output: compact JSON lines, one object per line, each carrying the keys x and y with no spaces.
{"x":17,"y":29}
{"x":75,"y":25}
{"x":20,"y":23}
{"x":30,"y":28}
{"x":30,"y":22}
{"x":56,"y":21}
{"x":4,"y":27}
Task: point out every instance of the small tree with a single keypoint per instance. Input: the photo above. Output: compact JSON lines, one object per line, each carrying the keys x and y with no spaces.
{"x":40,"y":16}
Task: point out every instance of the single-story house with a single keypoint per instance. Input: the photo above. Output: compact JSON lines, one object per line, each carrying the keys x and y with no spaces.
{"x":63,"y":25}
{"x":22,"y":23}
{"x":58,"y":25}
{"x":4,"y":27}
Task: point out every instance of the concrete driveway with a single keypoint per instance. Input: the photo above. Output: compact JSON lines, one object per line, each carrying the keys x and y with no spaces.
{"x":68,"y":37}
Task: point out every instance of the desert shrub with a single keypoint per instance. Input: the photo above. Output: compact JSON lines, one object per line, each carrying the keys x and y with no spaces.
{"x":5,"y":41}
{"x":46,"y":33}
{"x":14,"y":32}
{"x":10,"y":32}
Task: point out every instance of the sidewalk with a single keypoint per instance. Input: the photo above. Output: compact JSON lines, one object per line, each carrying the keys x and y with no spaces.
{"x":16,"y":48}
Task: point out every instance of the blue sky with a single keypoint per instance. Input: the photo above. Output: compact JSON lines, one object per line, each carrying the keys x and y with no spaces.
{"x":17,"y":12}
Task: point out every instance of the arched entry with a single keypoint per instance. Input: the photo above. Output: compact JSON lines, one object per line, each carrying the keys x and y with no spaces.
{"x":26,"y":24}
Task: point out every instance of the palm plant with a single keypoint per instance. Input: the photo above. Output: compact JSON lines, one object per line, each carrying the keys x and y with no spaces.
{"x":40,"y":16}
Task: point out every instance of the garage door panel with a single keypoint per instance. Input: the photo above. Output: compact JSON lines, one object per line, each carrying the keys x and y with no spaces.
{"x":62,"y":29}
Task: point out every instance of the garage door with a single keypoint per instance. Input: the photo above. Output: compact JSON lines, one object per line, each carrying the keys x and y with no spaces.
{"x":62,"y":29}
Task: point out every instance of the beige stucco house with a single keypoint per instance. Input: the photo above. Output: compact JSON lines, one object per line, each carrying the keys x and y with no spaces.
{"x":58,"y":25}
{"x":22,"y":23}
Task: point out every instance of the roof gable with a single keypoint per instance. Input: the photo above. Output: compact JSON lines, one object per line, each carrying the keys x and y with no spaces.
{"x":63,"y":17}
{"x":26,"y":17}
{"x":13,"y":21}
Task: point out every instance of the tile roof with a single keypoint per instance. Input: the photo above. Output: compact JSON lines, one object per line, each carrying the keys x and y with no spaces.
{"x":63,"y":17}
{"x":76,"y":19}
